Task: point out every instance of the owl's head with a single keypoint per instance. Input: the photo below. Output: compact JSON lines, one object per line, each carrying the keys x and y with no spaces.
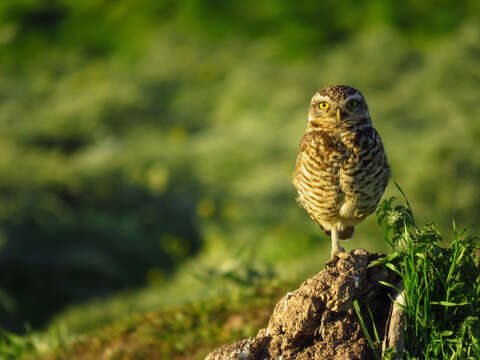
{"x":337,"y":107}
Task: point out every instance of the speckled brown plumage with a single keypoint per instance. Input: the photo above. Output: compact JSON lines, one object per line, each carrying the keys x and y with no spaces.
{"x":342,"y":168}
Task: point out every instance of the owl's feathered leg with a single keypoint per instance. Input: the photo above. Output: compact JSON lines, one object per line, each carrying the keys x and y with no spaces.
{"x":337,"y":250}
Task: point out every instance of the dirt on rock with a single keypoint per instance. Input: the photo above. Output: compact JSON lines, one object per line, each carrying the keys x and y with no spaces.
{"x":318,"y":320}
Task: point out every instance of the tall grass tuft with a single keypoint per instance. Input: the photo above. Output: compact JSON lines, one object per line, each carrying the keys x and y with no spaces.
{"x":442,"y":285}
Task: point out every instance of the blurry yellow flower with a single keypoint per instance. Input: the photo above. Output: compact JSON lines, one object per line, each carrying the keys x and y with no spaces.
{"x":205,"y":208}
{"x":157,"y":178}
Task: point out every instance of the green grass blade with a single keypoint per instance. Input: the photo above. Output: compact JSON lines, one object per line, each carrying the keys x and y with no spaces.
{"x":364,"y":328}
{"x":377,"y":338}
{"x":448,"y":303}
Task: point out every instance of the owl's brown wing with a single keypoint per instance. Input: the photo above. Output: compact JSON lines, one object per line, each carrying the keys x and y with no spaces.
{"x":316,"y":177}
{"x":364,"y":174}
{"x":303,"y":146}
{"x":316,"y":156}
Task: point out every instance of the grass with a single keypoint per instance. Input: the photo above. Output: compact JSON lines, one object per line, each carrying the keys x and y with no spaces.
{"x":442,"y":285}
{"x":374,"y":346}
{"x":210,"y":156}
{"x":138,"y":153}
{"x":185,"y":332}
{"x":441,"y":282}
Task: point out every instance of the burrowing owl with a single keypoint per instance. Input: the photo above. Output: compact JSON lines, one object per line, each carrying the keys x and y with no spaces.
{"x":342,"y":168}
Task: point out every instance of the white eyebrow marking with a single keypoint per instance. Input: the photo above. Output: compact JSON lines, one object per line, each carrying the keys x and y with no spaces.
{"x":354,"y":97}
{"x":320,"y":97}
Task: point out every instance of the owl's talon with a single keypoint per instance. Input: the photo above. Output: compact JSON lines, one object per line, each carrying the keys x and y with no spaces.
{"x":342,"y":255}
{"x":339,"y":254}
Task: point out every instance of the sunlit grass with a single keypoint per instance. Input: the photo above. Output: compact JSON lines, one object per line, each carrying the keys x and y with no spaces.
{"x":442,"y":285}
{"x":442,"y":292}
{"x":206,"y":134}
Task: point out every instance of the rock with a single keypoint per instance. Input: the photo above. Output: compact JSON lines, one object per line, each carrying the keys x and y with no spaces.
{"x":318,"y":320}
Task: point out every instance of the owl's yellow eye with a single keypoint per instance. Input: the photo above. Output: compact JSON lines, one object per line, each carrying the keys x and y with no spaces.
{"x":323,"y":105}
{"x":352,"y":104}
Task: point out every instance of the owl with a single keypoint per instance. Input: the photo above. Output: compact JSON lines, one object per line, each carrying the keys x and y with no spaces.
{"x":342,"y":169}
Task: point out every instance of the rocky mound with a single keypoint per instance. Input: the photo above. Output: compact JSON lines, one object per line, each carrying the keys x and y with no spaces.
{"x":318,"y":320}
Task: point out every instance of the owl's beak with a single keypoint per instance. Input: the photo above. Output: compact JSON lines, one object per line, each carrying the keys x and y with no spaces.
{"x":339,"y":115}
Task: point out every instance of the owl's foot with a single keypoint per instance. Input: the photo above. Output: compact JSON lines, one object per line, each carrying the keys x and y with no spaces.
{"x":337,"y":254}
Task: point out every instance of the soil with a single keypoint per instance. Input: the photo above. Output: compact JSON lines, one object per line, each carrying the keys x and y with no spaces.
{"x":318,"y":320}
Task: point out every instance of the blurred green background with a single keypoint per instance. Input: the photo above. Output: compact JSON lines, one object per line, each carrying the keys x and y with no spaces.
{"x":147,"y":146}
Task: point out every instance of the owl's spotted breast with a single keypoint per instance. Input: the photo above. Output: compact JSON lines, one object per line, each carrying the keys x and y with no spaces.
{"x":341,"y":177}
